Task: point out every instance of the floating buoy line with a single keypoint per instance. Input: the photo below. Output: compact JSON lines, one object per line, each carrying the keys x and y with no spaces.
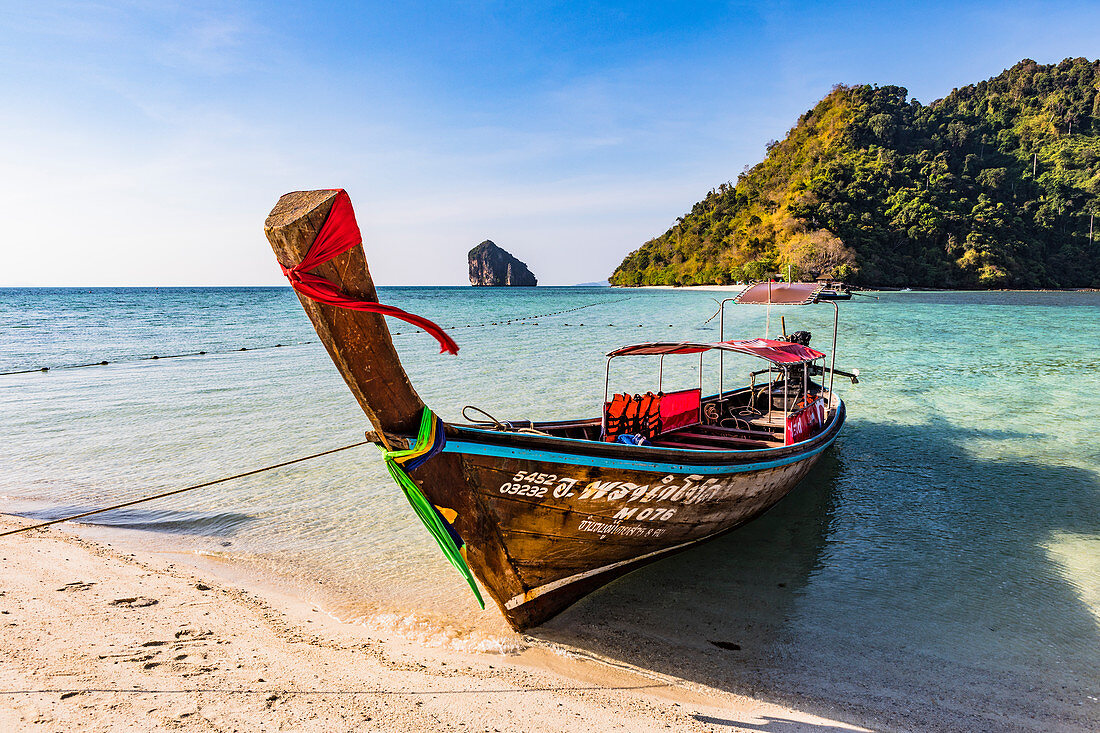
{"x":510,"y":321}
{"x":157,"y":357}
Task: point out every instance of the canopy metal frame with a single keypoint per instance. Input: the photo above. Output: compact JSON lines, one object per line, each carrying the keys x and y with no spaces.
{"x":721,"y":348}
{"x":722,"y":337}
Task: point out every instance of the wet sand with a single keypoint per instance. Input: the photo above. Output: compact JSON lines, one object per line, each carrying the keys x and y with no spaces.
{"x":98,"y":639}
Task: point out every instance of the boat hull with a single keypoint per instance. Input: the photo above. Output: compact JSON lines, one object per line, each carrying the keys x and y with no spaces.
{"x":547,"y":521}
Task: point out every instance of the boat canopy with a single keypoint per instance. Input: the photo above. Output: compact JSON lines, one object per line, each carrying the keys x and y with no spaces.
{"x":779,"y":294}
{"x":777,"y":352}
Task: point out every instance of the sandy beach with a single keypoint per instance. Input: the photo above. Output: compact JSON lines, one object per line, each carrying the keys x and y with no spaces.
{"x":99,"y":639}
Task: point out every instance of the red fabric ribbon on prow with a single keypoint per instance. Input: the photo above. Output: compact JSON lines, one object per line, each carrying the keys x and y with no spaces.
{"x":340,"y":233}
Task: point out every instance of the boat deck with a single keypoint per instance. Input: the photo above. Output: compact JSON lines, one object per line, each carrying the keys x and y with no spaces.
{"x":730,"y":424}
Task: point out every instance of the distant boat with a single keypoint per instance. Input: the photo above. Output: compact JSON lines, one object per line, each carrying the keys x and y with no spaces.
{"x":834,"y":291}
{"x":542,"y":513}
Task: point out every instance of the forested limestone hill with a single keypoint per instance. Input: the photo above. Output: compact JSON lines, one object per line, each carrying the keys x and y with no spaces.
{"x":990,"y":187}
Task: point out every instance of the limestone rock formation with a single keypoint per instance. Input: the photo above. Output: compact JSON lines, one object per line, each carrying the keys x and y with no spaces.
{"x":490,"y":265}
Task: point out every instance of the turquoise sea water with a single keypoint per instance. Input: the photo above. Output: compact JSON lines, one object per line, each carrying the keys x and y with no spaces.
{"x":945,"y":555}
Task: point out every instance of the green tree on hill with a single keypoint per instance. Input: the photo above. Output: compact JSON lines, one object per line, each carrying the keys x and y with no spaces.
{"x":990,"y":187}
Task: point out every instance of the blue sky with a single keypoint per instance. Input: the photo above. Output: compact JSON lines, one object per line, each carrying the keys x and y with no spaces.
{"x":144,"y":142}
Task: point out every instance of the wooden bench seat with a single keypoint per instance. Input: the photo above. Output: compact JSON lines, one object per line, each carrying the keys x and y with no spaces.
{"x":706,"y":442}
{"x":733,"y":432}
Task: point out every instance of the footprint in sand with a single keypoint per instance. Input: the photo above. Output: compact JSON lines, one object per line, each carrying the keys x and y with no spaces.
{"x":188,"y":633}
{"x":75,"y":585}
{"x":136,"y":602}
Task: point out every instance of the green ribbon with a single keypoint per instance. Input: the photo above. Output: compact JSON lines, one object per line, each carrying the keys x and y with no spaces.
{"x":420,"y":504}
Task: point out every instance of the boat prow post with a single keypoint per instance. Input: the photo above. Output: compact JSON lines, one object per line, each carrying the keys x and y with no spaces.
{"x":361,"y":347}
{"x":359,"y":342}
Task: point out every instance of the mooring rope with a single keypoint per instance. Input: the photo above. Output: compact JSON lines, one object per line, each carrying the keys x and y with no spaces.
{"x":180,"y":491}
{"x":157,"y":357}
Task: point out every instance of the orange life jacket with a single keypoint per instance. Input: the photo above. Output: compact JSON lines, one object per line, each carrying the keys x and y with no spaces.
{"x":615,"y":414}
{"x":630,"y":417}
{"x":649,"y":415}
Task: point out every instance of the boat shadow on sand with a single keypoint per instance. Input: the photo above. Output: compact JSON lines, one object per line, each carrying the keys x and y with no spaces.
{"x":905,"y":581}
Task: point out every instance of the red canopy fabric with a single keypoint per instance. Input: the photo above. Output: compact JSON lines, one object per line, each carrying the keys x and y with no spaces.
{"x":777,"y":352}
{"x":338,"y":234}
{"x":779,"y":294}
{"x":683,"y":347}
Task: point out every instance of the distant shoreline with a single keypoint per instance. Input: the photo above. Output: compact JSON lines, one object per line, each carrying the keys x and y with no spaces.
{"x":739,"y":288}
{"x":715,"y":288}
{"x":700,"y":288}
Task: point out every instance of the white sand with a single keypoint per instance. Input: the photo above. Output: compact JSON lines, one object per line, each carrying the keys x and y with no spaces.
{"x":94,"y":639}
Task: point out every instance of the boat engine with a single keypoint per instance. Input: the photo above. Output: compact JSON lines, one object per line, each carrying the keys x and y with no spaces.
{"x":799,"y":337}
{"x":795,"y":372}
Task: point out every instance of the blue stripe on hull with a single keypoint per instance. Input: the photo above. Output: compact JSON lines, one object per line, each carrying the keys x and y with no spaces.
{"x":484,"y":449}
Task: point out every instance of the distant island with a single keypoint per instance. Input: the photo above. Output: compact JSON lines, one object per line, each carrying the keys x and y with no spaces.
{"x":994,"y":186}
{"x":492,"y":266}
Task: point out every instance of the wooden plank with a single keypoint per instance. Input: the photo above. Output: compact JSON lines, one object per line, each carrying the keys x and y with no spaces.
{"x":719,"y":430}
{"x":680,"y":444}
{"x":719,"y":440}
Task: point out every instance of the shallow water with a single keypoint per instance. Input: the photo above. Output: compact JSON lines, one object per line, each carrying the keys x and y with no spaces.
{"x":947,"y":548}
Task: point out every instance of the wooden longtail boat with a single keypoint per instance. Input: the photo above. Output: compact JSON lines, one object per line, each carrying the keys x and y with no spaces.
{"x":545,"y":512}
{"x":834,"y":291}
